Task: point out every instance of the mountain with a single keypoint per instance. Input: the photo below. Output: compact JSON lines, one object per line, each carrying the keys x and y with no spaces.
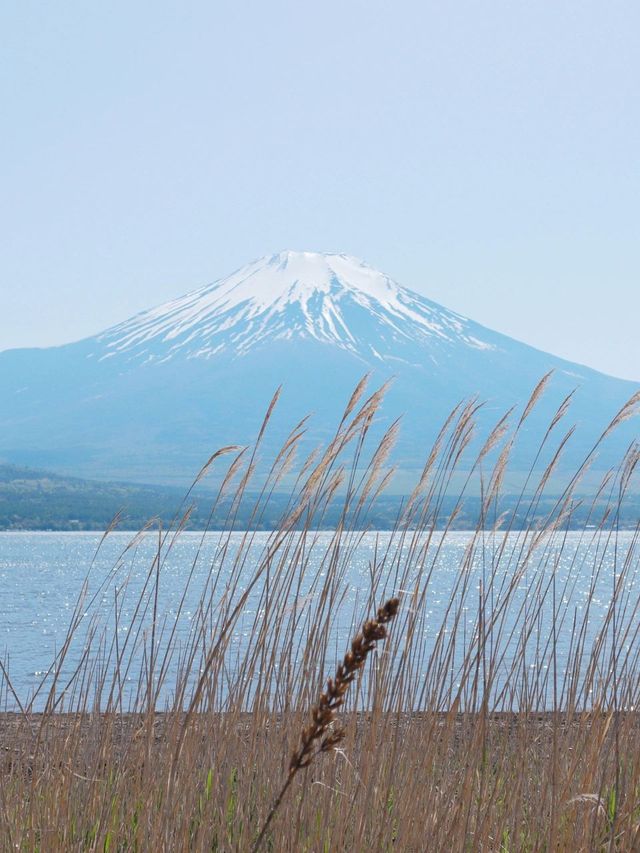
{"x":150,"y":398}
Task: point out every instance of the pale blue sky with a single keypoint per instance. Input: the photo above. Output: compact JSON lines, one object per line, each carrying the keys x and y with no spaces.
{"x":483,"y":153}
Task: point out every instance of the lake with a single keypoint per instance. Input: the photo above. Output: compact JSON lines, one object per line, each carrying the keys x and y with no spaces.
{"x":571,"y":575}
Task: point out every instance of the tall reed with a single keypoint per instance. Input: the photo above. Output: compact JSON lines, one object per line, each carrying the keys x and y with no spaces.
{"x":500,"y":714}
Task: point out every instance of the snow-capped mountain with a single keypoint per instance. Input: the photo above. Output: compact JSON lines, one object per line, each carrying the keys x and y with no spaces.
{"x":333,"y":299}
{"x":150,"y":398}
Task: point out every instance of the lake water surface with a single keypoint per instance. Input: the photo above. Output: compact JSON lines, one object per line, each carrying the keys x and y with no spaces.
{"x":42,"y":575}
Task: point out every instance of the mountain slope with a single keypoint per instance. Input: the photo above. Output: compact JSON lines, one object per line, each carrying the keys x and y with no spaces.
{"x":150,"y":398}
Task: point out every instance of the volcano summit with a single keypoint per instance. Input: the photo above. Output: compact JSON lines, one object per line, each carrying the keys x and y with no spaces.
{"x":333,"y":299}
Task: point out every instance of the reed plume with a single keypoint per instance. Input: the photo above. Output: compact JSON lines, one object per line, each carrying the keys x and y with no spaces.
{"x":319,"y":736}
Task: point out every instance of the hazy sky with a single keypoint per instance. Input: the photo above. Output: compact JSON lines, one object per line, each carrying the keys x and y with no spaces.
{"x":486,"y":154}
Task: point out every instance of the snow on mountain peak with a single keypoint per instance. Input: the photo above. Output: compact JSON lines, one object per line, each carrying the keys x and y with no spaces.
{"x":332,"y":298}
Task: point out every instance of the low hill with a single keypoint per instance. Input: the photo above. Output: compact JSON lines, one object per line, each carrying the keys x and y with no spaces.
{"x":40,"y":500}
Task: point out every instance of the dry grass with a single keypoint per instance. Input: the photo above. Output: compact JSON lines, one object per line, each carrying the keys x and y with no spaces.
{"x":482,"y":731}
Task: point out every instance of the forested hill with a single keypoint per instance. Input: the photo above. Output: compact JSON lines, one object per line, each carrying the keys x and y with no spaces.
{"x":40,"y":500}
